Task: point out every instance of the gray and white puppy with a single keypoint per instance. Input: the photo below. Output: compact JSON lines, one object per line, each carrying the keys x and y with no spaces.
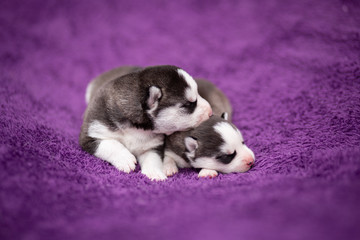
{"x":129,"y":111}
{"x":216,"y":145}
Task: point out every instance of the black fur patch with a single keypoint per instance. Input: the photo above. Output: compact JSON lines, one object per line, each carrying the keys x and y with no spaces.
{"x":106,"y":115}
{"x":189,"y":107}
{"x":209,"y":141}
{"x":160,"y":150}
{"x":172,"y":85}
{"x":226,"y":158}
{"x":89,"y":144}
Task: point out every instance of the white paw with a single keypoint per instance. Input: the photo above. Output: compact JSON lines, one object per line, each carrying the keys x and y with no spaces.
{"x":126,"y":162}
{"x":207,"y":173}
{"x":170,"y":168}
{"x":154,"y":174}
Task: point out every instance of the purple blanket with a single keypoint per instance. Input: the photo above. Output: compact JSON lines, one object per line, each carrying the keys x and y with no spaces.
{"x":290,"y":68}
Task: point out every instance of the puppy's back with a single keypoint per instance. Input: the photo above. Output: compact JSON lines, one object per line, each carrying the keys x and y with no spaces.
{"x":104,"y":78}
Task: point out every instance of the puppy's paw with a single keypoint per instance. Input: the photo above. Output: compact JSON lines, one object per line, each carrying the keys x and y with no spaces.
{"x":126,"y":162}
{"x":170,"y":168}
{"x":154,"y":174}
{"x":207,"y":173}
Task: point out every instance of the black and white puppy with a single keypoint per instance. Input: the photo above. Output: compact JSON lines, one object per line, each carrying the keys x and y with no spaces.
{"x":129,"y":111}
{"x":216,"y":145}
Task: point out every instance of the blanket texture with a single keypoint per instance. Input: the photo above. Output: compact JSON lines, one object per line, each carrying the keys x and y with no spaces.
{"x":290,"y":68}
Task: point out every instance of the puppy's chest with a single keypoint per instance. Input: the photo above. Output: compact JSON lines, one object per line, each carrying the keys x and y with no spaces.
{"x":138,"y":141}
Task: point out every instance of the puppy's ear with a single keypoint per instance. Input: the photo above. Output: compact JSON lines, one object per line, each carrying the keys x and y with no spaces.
{"x":154,"y":97}
{"x":225,"y":115}
{"x":191,"y":144}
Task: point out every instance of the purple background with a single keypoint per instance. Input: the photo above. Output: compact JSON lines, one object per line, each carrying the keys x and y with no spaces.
{"x":290,"y":68}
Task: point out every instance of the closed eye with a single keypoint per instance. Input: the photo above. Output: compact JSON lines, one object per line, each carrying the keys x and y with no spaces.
{"x":190,"y":106}
{"x":226,"y":158}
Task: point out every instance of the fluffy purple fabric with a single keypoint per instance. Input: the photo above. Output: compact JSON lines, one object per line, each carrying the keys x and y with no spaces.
{"x":290,"y":68}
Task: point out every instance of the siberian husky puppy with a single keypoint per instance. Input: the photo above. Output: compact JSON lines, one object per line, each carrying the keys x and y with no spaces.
{"x":131,"y":109}
{"x":216,"y":145}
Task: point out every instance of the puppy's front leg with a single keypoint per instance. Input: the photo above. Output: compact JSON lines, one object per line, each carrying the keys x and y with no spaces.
{"x":169,"y":167}
{"x":115,"y":153}
{"x":151,"y":165}
{"x":207,"y":173}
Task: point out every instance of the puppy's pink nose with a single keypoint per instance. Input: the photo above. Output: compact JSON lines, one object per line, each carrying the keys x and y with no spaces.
{"x":249,"y":161}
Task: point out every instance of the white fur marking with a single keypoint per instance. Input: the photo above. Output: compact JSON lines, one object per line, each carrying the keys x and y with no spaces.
{"x":191,"y":92}
{"x":151,"y":166}
{"x":100,"y":131}
{"x":115,"y":153}
{"x":232,"y":138}
{"x":190,"y":95}
{"x":137,"y":141}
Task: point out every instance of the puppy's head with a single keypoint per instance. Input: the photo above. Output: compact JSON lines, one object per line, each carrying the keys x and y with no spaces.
{"x":173,"y":101}
{"x":217,"y":144}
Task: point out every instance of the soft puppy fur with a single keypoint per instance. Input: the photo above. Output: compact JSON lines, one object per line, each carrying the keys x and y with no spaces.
{"x":220,"y":104}
{"x":131,"y":108}
{"x":214,"y":146}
